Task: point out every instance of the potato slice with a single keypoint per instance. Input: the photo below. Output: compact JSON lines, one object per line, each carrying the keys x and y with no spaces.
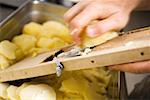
{"x":11,"y":93}
{"x":8,"y":49}
{"x":56,"y":29}
{"x":89,"y":42}
{"x":22,"y":87}
{"x":3,"y":90}
{"x":4,"y":62}
{"x":70,"y":85}
{"x":37,"y":92}
{"x":54,"y":43}
{"x":71,"y":96}
{"x":32,"y":28}
{"x":25,"y":42}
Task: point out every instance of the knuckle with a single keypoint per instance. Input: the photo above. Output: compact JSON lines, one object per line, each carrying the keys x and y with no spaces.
{"x":75,"y":23}
{"x":122,"y":20}
{"x":99,"y":29}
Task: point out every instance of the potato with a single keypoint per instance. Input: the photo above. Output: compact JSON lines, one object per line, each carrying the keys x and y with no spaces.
{"x":22,"y":87}
{"x":32,"y":28}
{"x":19,"y":55}
{"x":71,"y":85}
{"x":37,"y":92}
{"x":56,"y":29}
{"x":58,"y":43}
{"x":89,"y":42}
{"x":8,"y":49}
{"x":36,"y":51}
{"x":4,"y":62}
{"x":44,"y":42}
{"x":54,"y":43}
{"x":3,"y":90}
{"x":71,"y":96}
{"x":11,"y":93}
{"x":25,"y":42}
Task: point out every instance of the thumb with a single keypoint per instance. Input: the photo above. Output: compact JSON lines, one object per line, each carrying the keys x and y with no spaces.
{"x":116,"y":22}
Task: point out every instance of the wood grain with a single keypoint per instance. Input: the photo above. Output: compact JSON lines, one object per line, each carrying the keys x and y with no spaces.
{"x":123,"y":49}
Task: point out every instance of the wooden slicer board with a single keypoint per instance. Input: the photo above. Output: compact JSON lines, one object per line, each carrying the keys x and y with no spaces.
{"x":123,"y":49}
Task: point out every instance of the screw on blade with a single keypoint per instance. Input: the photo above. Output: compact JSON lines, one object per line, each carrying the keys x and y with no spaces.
{"x":59,"y":67}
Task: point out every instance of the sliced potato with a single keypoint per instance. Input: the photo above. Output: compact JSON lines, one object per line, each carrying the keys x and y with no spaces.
{"x":32,"y":28}
{"x":89,"y":42}
{"x":25,"y":42}
{"x":3,"y":90}
{"x":11,"y":93}
{"x":71,"y":96}
{"x":56,"y":29}
{"x":22,"y":87}
{"x":58,"y":43}
{"x":8,"y":49}
{"x":70,"y":85}
{"x":37,"y":92}
{"x":4,"y":62}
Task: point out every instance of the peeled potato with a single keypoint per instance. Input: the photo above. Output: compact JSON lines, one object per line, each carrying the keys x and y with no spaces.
{"x":89,"y":42}
{"x":4,"y":62}
{"x":58,"y":43}
{"x":53,"y":43}
{"x":36,"y":51}
{"x":56,"y":29}
{"x":37,"y":92}
{"x":3,"y":90}
{"x":44,"y":42}
{"x":8,"y":49}
{"x":11,"y":93}
{"x":32,"y":28}
{"x":22,"y":87}
{"x":25,"y":42}
{"x":19,"y":54}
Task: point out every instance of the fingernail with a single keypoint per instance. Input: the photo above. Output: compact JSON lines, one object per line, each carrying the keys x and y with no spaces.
{"x":91,"y":32}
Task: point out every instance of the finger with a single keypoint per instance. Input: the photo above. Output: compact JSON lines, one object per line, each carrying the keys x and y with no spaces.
{"x":90,"y":13}
{"x":115,"y":22}
{"x":139,"y":67}
{"x":75,"y":10}
{"x":76,"y":35}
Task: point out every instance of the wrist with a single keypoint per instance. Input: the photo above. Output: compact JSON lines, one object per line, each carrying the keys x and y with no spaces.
{"x":130,"y":5}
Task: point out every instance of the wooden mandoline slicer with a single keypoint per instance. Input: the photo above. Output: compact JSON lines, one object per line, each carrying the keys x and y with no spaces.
{"x":132,"y":46}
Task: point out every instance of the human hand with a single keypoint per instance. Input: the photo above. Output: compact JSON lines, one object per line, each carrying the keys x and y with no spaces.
{"x":111,"y":15}
{"x":138,"y":67}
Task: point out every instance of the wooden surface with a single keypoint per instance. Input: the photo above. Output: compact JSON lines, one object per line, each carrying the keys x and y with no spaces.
{"x":123,"y":49}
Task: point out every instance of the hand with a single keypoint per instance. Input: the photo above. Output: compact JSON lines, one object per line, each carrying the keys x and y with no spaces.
{"x":139,"y":67}
{"x":111,"y":15}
